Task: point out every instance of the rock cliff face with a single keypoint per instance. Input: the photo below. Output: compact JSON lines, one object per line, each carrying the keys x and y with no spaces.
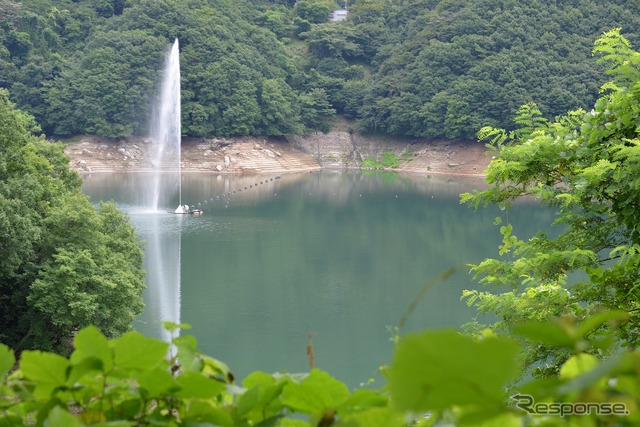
{"x":344,"y":149}
{"x":249,"y":155}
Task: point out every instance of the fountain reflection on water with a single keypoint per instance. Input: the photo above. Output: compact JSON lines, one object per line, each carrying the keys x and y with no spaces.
{"x":162,"y":236}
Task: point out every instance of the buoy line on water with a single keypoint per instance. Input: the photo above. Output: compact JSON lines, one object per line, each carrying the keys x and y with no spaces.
{"x":226,"y":196}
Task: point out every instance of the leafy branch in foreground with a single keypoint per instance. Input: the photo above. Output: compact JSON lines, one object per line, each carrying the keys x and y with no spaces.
{"x":586,"y":165}
{"x":435,"y":376}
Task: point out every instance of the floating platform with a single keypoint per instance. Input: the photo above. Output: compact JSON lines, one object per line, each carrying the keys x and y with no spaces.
{"x":191,"y":212}
{"x":185,"y":210}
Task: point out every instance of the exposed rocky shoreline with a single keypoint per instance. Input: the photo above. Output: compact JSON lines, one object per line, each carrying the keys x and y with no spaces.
{"x":256,"y":155}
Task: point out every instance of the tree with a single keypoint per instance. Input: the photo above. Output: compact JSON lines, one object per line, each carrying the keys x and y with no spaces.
{"x":18,"y":44}
{"x":9,"y":10}
{"x":93,"y":270}
{"x":63,"y":264}
{"x":278,"y":104}
{"x":276,"y":19}
{"x":314,"y":11}
{"x":333,"y":40}
{"x":585,"y":165}
{"x":316,"y":110}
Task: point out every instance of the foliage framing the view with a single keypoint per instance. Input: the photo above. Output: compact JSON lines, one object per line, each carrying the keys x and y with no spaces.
{"x":587,"y":166}
{"x":582,"y":163}
{"x":130,"y":381}
{"x":63,"y":263}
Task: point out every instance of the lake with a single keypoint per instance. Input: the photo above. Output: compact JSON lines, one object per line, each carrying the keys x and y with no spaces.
{"x":339,"y":255}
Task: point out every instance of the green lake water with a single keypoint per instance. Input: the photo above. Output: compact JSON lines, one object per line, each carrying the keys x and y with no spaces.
{"x":338,"y":255}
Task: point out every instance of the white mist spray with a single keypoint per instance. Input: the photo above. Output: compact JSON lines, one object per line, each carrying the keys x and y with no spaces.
{"x":166,"y":128}
{"x":163,"y":252}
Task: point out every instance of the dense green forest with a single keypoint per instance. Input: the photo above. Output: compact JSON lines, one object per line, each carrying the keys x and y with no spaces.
{"x":419,"y":68}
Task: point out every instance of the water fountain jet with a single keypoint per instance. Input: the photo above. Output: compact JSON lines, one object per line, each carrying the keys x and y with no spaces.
{"x":163,"y":251}
{"x":166,"y":132}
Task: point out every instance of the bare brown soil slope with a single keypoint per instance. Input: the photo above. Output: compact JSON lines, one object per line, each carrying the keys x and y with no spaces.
{"x":252,"y":155}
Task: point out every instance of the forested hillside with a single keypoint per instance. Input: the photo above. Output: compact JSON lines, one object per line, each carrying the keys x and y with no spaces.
{"x":421,"y":68}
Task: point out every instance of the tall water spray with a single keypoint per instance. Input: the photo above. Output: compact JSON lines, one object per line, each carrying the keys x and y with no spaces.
{"x":166,"y":131}
{"x":163,"y":251}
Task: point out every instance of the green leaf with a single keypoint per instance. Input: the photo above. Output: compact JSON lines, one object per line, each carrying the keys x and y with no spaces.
{"x":58,"y":417}
{"x":90,"y":342}
{"x":256,"y":378}
{"x":250,"y":403}
{"x":501,"y":420}
{"x":188,"y":354}
{"x":593,"y":376}
{"x":545,"y":332}
{"x":318,"y":392}
{"x":595,"y":321}
{"x":260,"y":401}
{"x":274,"y":421}
{"x":129,"y":409}
{"x":137,"y":352}
{"x":435,"y":370}
{"x":116,"y":424}
{"x":197,"y":385}
{"x":375,"y":417}
{"x":171,"y":326}
{"x":155,"y":382}
{"x":47,"y":370}
{"x":10,"y":421}
{"x":88,"y":365}
{"x":578,"y":365}
{"x":215,"y":368}
{"x":205,"y":411}
{"x":7,"y":360}
{"x":44,"y":367}
{"x":92,"y":417}
{"x":362,"y":399}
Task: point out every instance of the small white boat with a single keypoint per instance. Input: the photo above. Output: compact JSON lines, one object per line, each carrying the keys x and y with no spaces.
{"x":184,"y":209}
